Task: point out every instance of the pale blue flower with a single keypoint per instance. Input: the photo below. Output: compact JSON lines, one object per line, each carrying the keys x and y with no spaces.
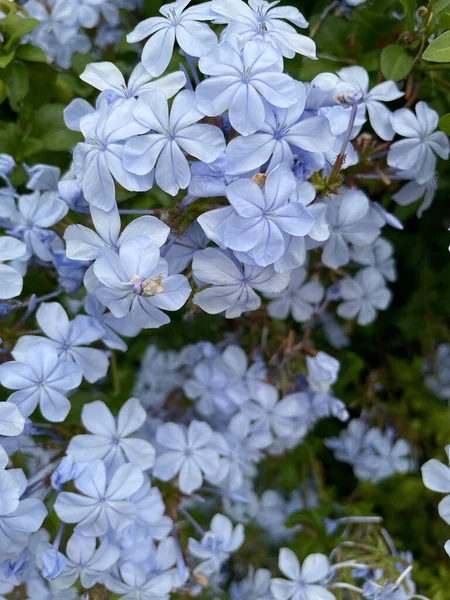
{"x":70,"y":339}
{"x":265,"y":20}
{"x":53,"y":563}
{"x":242,"y":78}
{"x":105,"y":504}
{"x":418,"y":151}
{"x":240,"y":449}
{"x":177,"y":23}
{"x":18,"y":518}
{"x":363,"y":296}
{"x":302,"y":582}
{"x":11,"y":281}
{"x":36,"y":213}
{"x":86,"y":561}
{"x":380,"y":116}
{"x":269,"y":414}
{"x":234,"y":285}
{"x":106,"y":76}
{"x":171,"y":134}
{"x":256,"y":586}
{"x":181,"y":252}
{"x":41,"y":379}
{"x":12,"y":421}
{"x":379,"y":256}
{"x":299,"y":299}
{"x":216,"y":545}
{"x":187,"y":453}
{"x":109,"y":438}
{"x":137,"y":583}
{"x":323,"y":371}
{"x":259,"y":223}
{"x":136,"y":281}
{"x":280,"y":137}
{"x":43,"y":178}
{"x":98,"y":160}
{"x":348,"y":216}
{"x":111,"y":325}
{"x":413,"y":191}
{"x":84,"y":243}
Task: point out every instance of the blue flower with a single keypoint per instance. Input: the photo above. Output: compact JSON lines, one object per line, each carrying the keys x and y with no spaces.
{"x":280,"y":137}
{"x":86,"y":561}
{"x":136,"y":280}
{"x":42,"y":379}
{"x":171,"y":134}
{"x":299,"y":299}
{"x":69,"y":338}
{"x":109,"y":439}
{"x":303,"y":582}
{"x":418,"y":151}
{"x":18,"y":518}
{"x":98,"y":160}
{"x":265,"y":20}
{"x":11,"y":281}
{"x":241,"y":79}
{"x":216,"y":545}
{"x":187,"y":453}
{"x":380,"y":116}
{"x":259,"y":223}
{"x":105,"y":504}
{"x":234,"y":285}
{"x":36,"y":212}
{"x":363,"y":296}
{"x":12,"y":421}
{"x":349,"y":218}
{"x":177,"y":23}
{"x":106,"y":76}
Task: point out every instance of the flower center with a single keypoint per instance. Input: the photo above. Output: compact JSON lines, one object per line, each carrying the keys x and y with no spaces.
{"x":147,"y":286}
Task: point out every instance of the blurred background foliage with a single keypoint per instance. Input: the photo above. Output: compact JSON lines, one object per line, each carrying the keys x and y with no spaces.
{"x":383,"y":366}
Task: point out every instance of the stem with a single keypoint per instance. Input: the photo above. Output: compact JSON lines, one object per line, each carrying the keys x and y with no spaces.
{"x":341,"y":156}
{"x":137,"y":211}
{"x":434,"y":67}
{"x":350,"y":565}
{"x":191,"y":520}
{"x":322,"y":18}
{"x":115,"y":374}
{"x":346,"y":586}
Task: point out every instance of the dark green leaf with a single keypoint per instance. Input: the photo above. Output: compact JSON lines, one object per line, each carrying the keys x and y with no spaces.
{"x":439,"y":49}
{"x":2,"y":91}
{"x":30,"y":53}
{"x":395,"y":63}
{"x":444,"y":123}
{"x":28,"y":147}
{"x":64,"y":139}
{"x":14,"y":27}
{"x":16,"y":82}
{"x":5,"y":59}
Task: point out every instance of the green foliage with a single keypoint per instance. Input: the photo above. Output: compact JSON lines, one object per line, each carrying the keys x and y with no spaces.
{"x":395,"y":62}
{"x":439,"y":49}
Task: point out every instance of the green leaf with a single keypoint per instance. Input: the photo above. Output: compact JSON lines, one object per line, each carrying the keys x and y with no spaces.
{"x":395,"y":63}
{"x":64,"y":139}
{"x":16,"y":82}
{"x":439,"y":49}
{"x":16,"y":27}
{"x":444,"y":123}
{"x":410,"y":6}
{"x":441,"y":5}
{"x":27,"y":147}
{"x":2,"y":91}
{"x":5,"y":59}
{"x":30,"y":53}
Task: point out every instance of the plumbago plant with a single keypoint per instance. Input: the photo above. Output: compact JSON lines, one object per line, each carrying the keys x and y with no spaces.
{"x":225,"y":353}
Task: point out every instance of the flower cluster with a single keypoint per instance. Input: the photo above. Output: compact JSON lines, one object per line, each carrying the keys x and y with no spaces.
{"x":274,"y":228}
